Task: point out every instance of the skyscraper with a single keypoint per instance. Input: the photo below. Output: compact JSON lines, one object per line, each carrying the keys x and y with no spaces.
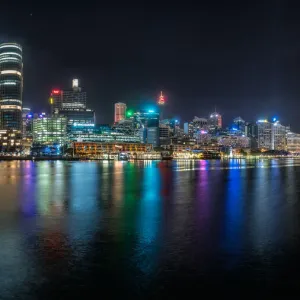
{"x":264,"y":134}
{"x":11,"y":86}
{"x":161,"y":101}
{"x":73,"y":98}
{"x":120,"y":111}
{"x":215,"y":121}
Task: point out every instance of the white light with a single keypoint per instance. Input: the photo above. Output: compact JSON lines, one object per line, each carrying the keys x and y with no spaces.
{"x":10,"y":100}
{"x":8,"y":83}
{"x":10,"y":46}
{"x":75,"y":83}
{"x":10,"y":107}
{"x":5,"y":59}
{"x":11,"y":72}
{"x":10,"y":53}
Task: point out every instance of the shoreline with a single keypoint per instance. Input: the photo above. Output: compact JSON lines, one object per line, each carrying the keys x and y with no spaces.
{"x":49,"y":158}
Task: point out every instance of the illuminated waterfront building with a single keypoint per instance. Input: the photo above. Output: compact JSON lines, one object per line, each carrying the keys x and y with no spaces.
{"x":10,"y":140}
{"x":50,"y":129}
{"x":234,"y":141}
{"x":264,"y":134}
{"x":76,"y":117}
{"x":120,"y":112}
{"x":11,"y":86}
{"x":278,"y":136}
{"x":271,"y":136}
{"x":293,"y":142}
{"x":98,"y":149}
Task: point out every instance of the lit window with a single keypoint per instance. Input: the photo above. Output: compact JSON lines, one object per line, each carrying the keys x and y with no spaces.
{"x":11,"y":72}
{"x":10,"y":53}
{"x":10,"y":46}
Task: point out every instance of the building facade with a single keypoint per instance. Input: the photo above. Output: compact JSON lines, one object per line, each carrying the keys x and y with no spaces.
{"x":264,"y":134}
{"x":120,"y":112}
{"x":50,"y":129}
{"x":10,"y":140}
{"x":293,"y":142}
{"x":11,"y":86}
{"x":215,"y":121}
{"x":271,"y":136}
{"x":74,"y":98}
{"x":278,"y":136}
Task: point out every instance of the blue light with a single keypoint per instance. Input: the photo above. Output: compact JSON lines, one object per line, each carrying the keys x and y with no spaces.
{"x":235,"y":129}
{"x":274,"y":119}
{"x":151,"y":111}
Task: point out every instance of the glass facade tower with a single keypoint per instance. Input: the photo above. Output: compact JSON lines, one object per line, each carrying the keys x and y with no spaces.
{"x":11,"y":86}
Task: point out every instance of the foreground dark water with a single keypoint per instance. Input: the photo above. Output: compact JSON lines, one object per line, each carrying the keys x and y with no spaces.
{"x":149,"y":229}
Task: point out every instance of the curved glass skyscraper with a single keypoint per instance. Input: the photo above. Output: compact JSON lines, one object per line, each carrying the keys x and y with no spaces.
{"x":11,"y":86}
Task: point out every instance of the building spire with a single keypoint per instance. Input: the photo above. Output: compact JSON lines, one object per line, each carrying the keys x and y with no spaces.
{"x":161,"y":99}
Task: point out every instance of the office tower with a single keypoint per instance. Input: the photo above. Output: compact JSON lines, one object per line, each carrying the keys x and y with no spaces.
{"x":293,"y":142}
{"x":239,"y":124}
{"x":56,"y":99}
{"x":73,"y":98}
{"x":278,"y":136}
{"x":11,"y":86}
{"x":215,"y":121}
{"x":271,"y":136}
{"x":27,"y":118}
{"x":251,"y":132}
{"x":120,"y":111}
{"x":49,"y":129}
{"x":149,"y":126}
{"x":264,"y":134}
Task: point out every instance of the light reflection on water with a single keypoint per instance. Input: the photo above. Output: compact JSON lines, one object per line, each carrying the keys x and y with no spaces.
{"x":150,"y":227}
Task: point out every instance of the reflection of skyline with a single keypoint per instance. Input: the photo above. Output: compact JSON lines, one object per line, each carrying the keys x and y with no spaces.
{"x":235,"y":197}
{"x":137,"y":221}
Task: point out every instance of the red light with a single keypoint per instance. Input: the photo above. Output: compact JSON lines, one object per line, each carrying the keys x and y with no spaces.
{"x":161,"y":99}
{"x":56,"y":92}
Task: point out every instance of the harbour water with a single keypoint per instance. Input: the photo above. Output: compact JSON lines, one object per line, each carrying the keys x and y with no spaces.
{"x":149,"y":229}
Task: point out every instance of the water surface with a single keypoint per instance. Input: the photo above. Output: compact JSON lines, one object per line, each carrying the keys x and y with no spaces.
{"x":149,"y":229}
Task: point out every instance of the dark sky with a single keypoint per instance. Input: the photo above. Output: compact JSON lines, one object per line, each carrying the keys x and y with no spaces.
{"x":241,"y":56}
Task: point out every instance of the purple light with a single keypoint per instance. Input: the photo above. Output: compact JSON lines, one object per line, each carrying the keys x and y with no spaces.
{"x":203,"y":132}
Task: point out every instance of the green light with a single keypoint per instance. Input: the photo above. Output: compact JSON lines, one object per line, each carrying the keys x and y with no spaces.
{"x":129,"y":113}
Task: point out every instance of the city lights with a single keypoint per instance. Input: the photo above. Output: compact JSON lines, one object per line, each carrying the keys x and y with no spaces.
{"x":129,"y":113}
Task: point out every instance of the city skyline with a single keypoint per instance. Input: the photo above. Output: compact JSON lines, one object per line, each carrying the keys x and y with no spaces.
{"x":256,"y":67}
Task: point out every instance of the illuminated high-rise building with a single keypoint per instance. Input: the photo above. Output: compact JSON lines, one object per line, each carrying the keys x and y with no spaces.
{"x":11,"y":86}
{"x":215,"y":121}
{"x":264,"y":134}
{"x":120,"y":111}
{"x":73,"y":98}
{"x":271,"y":136}
{"x":49,"y":129}
{"x":161,"y":99}
{"x":27,"y":119}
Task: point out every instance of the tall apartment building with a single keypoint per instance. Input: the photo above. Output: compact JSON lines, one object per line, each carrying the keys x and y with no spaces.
{"x":11,"y":86}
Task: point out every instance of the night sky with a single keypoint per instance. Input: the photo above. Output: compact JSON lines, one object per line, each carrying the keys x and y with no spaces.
{"x":241,"y":56}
